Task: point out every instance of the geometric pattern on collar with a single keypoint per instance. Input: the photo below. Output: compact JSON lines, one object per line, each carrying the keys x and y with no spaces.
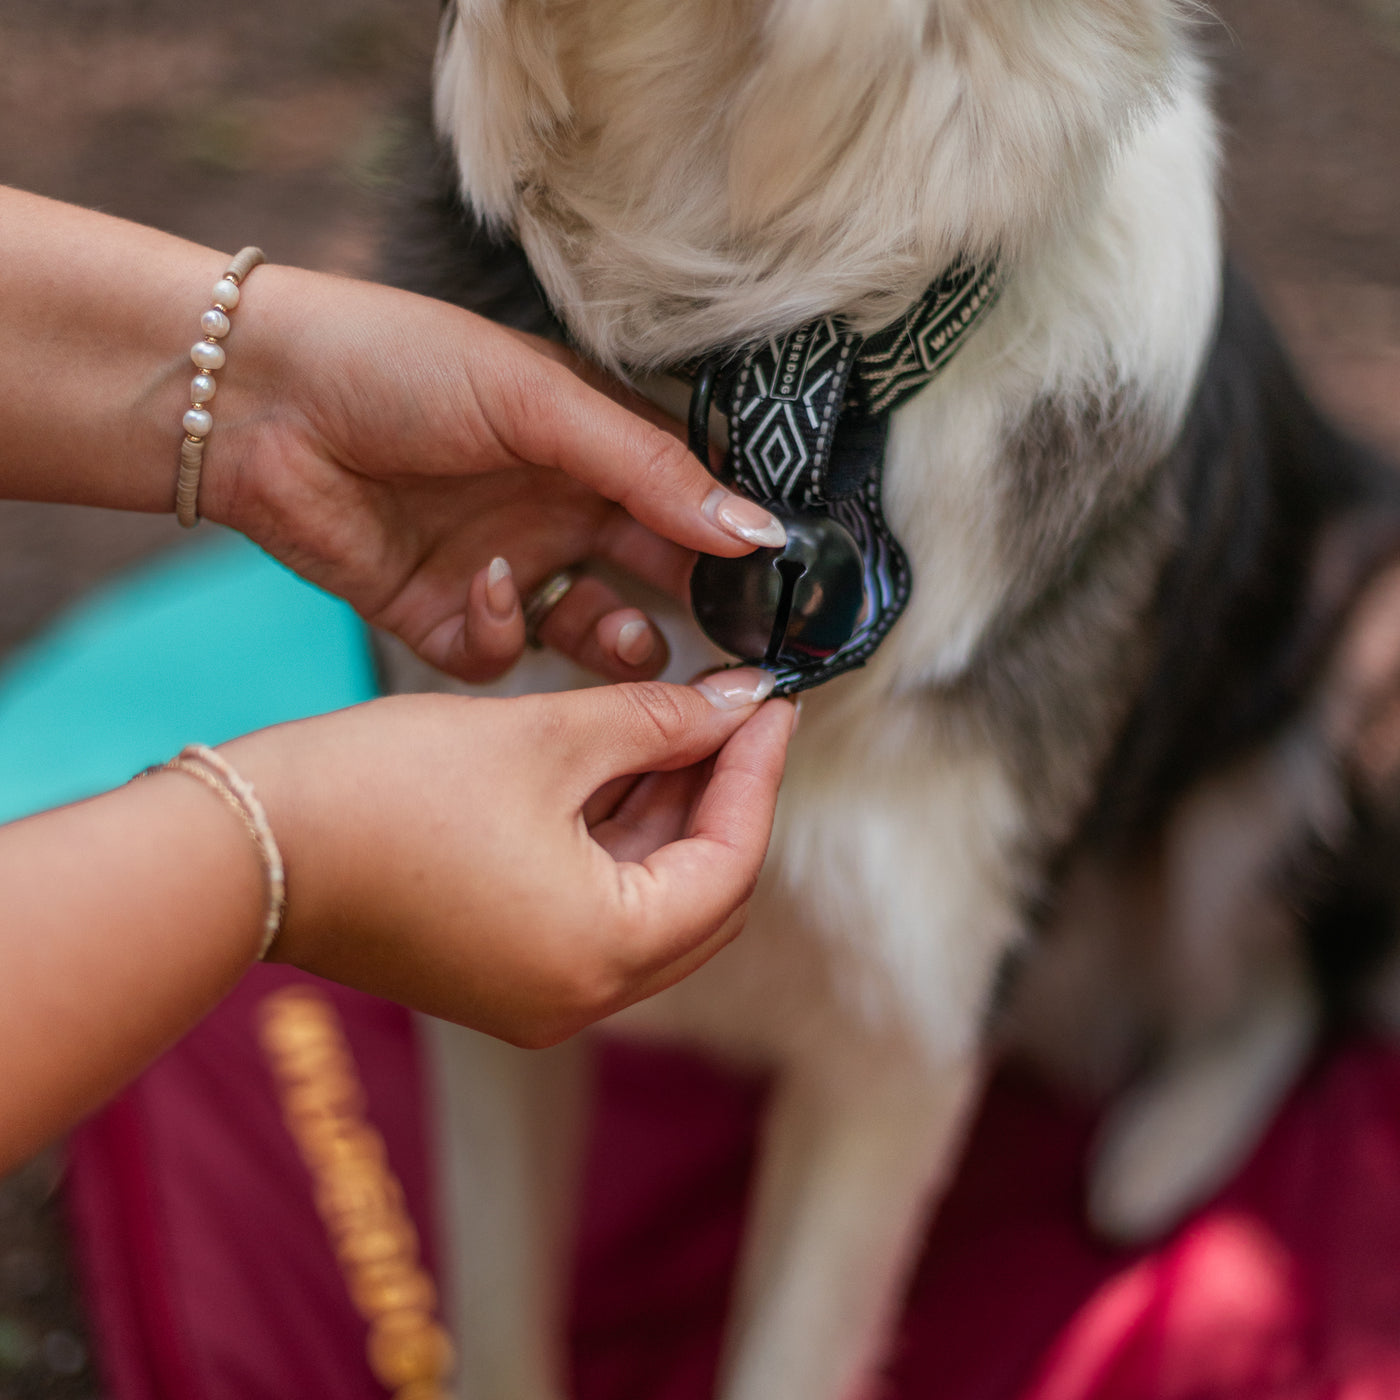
{"x":808,"y":414}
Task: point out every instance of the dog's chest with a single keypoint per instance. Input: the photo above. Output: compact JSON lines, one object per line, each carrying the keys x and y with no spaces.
{"x":887,"y":901}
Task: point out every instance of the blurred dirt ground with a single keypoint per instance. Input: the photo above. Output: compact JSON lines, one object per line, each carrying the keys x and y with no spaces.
{"x":277,"y":122}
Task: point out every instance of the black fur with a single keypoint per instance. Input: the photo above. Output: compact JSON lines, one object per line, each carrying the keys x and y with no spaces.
{"x":1283,"y":520}
{"x":438,"y":248}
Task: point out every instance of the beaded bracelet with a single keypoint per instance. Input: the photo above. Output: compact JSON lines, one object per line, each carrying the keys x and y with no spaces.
{"x":208,"y":355}
{"x":211,"y":768}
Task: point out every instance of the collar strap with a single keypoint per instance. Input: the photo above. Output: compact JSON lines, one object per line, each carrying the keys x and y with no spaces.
{"x":808,"y":415}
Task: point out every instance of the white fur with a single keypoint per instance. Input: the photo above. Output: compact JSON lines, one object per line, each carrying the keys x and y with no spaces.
{"x":820,"y":1282}
{"x":685,"y":173}
{"x":1180,"y":1135}
{"x":514,"y":1123}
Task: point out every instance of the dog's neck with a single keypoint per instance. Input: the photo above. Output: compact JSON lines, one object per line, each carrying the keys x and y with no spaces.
{"x":689,"y":173}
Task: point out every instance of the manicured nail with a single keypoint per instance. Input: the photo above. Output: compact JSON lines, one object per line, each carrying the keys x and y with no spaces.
{"x":635,"y":642}
{"x":745,"y":520}
{"x":732,"y":690}
{"x":500,"y":590}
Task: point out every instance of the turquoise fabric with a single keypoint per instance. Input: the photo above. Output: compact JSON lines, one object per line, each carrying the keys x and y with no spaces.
{"x":197,"y":648}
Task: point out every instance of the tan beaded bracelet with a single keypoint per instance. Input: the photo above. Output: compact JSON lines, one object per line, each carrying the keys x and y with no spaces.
{"x":208,"y":356}
{"x":211,"y":768}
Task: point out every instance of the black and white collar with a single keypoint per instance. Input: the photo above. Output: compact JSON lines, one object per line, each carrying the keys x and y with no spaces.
{"x":808,"y":416}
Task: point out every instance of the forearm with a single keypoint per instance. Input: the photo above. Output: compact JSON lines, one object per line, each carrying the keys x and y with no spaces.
{"x":126,"y":919}
{"x":97,"y":317}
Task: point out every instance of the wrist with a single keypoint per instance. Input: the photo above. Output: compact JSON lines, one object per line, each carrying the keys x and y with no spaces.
{"x":159,"y":396}
{"x":291,"y":784}
{"x":256,"y":426}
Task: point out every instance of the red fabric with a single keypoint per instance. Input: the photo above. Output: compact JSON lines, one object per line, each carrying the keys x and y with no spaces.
{"x":207,"y":1271}
{"x":1287,"y":1286}
{"x":210,"y":1276}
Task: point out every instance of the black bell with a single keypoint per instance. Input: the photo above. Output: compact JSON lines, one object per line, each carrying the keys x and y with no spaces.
{"x":798,"y":605}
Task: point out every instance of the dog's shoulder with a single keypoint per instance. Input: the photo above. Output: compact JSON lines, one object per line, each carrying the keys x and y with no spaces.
{"x":1283,"y":519}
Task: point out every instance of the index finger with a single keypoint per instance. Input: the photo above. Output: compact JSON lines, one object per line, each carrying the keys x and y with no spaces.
{"x":551,"y":417}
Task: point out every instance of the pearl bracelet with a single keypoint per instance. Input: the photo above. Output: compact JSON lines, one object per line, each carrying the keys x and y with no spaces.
{"x":211,"y":768}
{"x":208,"y":355}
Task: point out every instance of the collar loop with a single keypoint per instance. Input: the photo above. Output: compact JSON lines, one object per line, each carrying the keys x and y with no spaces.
{"x":808,"y":417}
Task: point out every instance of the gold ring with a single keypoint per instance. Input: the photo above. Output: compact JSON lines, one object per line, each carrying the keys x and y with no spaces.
{"x":543,"y":601}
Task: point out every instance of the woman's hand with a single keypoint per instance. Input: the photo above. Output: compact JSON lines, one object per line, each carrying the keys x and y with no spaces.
{"x":496,"y":862}
{"x":387,"y":446}
{"x":390,"y":447}
{"x":490,"y":862}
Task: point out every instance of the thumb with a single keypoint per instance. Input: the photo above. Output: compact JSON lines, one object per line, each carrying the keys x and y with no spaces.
{"x":611,"y":731}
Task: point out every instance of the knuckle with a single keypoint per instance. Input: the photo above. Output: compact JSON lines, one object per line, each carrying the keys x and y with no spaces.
{"x":664,"y":463}
{"x":584,"y":986}
{"x":641,"y":943}
{"x":549,"y":725}
{"x":658,"y":707}
{"x":545,"y":713}
{"x":590,"y":995}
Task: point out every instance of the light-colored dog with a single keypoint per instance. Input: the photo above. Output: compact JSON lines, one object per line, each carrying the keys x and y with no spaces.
{"x":687,"y":175}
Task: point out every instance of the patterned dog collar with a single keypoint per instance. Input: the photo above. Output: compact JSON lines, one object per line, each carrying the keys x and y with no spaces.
{"x":808,"y":416}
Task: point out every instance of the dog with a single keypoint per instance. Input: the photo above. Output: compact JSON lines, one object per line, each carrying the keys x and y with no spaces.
{"x":1134,"y":549}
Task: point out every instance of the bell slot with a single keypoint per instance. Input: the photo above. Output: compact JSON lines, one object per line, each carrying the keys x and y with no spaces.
{"x":789,"y":570}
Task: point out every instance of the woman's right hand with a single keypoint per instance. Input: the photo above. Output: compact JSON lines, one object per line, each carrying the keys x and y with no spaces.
{"x":428,"y":443}
{"x":493,"y":863}
{"x":386,"y":446}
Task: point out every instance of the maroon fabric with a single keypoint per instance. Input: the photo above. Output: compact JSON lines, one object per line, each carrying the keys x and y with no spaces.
{"x":210,"y":1276}
{"x":207,"y":1271}
{"x":1288,"y":1285}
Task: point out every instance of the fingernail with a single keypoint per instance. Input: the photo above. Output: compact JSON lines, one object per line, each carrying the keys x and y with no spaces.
{"x":745,"y":520}
{"x":796,"y":714}
{"x":635,"y":642}
{"x":732,"y":690}
{"x":500,"y":590}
